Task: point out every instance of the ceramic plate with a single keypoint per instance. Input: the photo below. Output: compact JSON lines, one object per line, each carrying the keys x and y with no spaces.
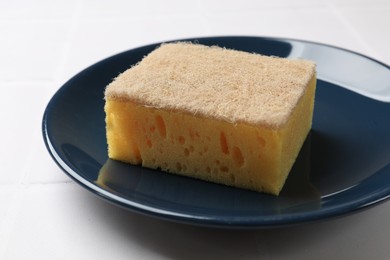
{"x":343,"y":166}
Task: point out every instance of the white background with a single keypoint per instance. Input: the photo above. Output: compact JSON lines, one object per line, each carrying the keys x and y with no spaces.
{"x":45,"y":215}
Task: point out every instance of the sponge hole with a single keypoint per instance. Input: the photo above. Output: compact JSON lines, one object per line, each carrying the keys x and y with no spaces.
{"x":182,"y":140}
{"x":223,"y":143}
{"x":181,"y":167}
{"x":237,"y":156}
{"x":161,"y":126}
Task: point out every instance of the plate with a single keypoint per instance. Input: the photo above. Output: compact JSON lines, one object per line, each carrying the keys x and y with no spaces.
{"x":344,"y":165}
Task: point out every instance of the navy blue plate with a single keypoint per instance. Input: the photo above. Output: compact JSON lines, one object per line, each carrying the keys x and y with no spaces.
{"x":343,"y":166}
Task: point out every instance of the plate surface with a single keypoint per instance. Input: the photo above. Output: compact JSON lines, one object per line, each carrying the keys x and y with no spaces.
{"x":343,"y":166}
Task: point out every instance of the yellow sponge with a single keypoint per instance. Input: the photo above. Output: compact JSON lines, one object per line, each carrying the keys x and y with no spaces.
{"x":215,"y":114}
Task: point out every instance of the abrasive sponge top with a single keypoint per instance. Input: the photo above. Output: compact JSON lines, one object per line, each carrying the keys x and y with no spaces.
{"x":218,"y":83}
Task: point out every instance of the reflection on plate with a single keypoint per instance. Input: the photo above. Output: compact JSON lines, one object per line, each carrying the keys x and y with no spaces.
{"x":119,"y":179}
{"x":343,"y":166}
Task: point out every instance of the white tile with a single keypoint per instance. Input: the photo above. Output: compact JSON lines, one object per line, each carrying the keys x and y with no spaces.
{"x":36,"y":10}
{"x":318,"y":25}
{"x":237,"y":7}
{"x":355,"y":3}
{"x":94,"y":41}
{"x":67,"y":222}
{"x":9,"y":200}
{"x":364,"y":235}
{"x":115,"y":9}
{"x":21,"y":114}
{"x":8,"y":194}
{"x":31,"y":50}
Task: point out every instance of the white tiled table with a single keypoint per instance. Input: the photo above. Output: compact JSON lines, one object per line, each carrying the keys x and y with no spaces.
{"x":45,"y":215}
